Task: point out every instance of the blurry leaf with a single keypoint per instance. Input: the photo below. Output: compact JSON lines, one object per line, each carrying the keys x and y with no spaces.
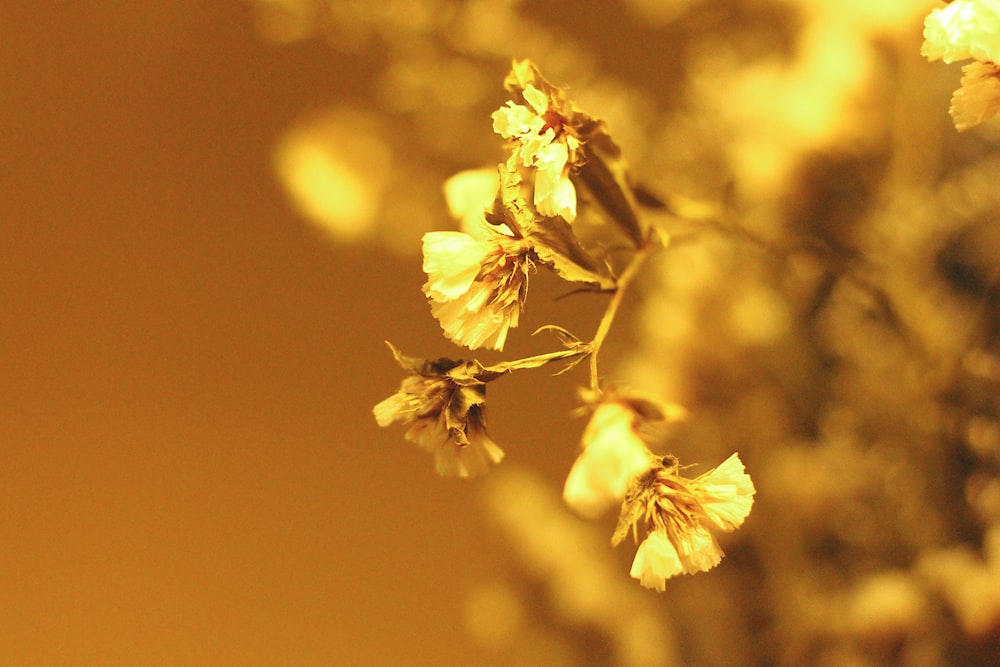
{"x":603,"y":174}
{"x":632,"y":510}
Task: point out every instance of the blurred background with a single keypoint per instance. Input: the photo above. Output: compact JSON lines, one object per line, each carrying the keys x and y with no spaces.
{"x":210,"y":220}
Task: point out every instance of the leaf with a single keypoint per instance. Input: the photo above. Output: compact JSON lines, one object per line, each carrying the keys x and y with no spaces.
{"x":566,"y":337}
{"x":414,"y":365}
{"x":553,"y":238}
{"x":509,"y":206}
{"x":490,"y":373}
{"x":557,"y":247}
{"x":603,"y":174}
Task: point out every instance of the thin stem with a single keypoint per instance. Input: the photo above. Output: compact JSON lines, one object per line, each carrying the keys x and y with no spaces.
{"x":609,"y":315}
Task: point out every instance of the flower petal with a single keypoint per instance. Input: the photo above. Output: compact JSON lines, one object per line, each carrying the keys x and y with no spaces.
{"x":656,"y":560}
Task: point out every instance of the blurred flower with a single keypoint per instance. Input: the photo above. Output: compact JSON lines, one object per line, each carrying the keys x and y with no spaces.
{"x":476,"y":286}
{"x":468,"y":194}
{"x":334,"y":168}
{"x":676,"y":511}
{"x":544,"y":139}
{"x":978,"y":99}
{"x":963,"y":29}
{"x":442,"y":404}
{"x":613,"y":455}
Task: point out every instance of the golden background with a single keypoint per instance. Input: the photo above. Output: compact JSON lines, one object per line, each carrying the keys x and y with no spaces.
{"x":190,"y":470}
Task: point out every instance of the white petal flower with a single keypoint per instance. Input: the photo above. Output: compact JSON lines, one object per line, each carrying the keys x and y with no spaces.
{"x":656,"y":560}
{"x":555,"y":194}
{"x":963,"y":29}
{"x":726,"y":494}
{"x":468,"y":194}
{"x":678,"y":512}
{"x":613,"y":455}
{"x":660,"y":557}
{"x":476,"y":286}
{"x":443,"y":417}
{"x":978,"y":99}
{"x":698,"y":550}
{"x":546,"y":142}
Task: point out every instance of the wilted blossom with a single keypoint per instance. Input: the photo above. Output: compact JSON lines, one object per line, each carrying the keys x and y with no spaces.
{"x":476,"y":286}
{"x":613,"y":455}
{"x":442,"y":404}
{"x":978,"y":99}
{"x":961,"y":30}
{"x":677,"y":513}
{"x":544,"y":139}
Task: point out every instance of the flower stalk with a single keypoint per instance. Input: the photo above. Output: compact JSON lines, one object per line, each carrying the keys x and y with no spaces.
{"x":604,"y":326}
{"x":477,"y":284}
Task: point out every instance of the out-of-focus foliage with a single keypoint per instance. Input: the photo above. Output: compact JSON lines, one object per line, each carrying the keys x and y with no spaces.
{"x":831,"y":311}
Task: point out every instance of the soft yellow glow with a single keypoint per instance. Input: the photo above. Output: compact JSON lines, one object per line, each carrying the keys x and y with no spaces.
{"x":468,"y":194}
{"x":759,"y":316}
{"x":334,"y":171}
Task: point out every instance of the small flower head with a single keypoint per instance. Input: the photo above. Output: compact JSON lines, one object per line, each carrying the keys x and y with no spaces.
{"x":963,"y":29}
{"x":542,"y":127}
{"x":476,"y":286}
{"x":614,"y":452}
{"x":442,"y":404}
{"x":613,"y":455}
{"x":677,"y":513}
{"x":978,"y":99}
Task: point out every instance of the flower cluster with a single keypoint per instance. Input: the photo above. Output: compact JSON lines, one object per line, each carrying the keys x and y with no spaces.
{"x":677,"y":512}
{"x":962,"y":30}
{"x":543,"y":129}
{"x":477,"y":284}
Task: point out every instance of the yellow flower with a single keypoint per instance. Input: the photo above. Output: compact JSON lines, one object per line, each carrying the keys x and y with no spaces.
{"x":726,"y":494}
{"x":442,"y":404}
{"x":613,"y":455}
{"x":963,"y":29}
{"x":544,"y":140}
{"x":476,"y":286}
{"x":677,"y":513}
{"x":978,"y":99}
{"x":658,"y":559}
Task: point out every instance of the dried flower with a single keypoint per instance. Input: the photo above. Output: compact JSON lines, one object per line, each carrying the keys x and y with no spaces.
{"x":978,"y":99}
{"x":442,"y":404}
{"x":476,"y":286}
{"x":613,"y":455}
{"x":544,"y":138}
{"x":677,"y":512}
{"x":963,"y":29}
